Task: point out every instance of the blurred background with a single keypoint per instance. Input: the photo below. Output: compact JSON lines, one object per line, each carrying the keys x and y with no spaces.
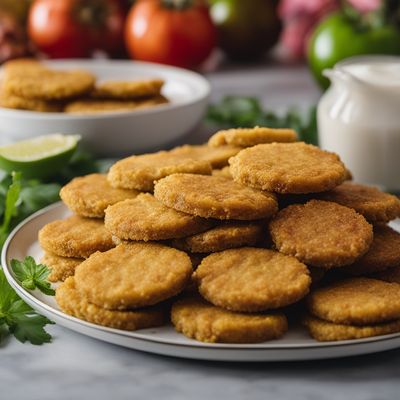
{"x":200,"y":34}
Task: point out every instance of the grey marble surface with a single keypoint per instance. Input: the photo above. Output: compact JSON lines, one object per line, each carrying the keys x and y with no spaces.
{"x":77,"y":367}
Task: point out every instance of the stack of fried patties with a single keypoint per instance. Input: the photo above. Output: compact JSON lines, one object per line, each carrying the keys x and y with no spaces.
{"x":27,"y":84}
{"x":232,"y":255}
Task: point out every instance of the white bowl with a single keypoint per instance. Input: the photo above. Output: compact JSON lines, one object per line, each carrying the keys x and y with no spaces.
{"x":119,"y":133}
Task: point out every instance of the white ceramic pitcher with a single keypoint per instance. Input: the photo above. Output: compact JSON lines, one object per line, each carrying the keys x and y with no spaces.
{"x":359,"y":118}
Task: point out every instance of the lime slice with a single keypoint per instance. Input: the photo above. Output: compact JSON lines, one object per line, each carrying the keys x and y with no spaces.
{"x":38,"y":157}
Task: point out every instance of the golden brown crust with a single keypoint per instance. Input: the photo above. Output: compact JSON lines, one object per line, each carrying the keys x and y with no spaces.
{"x":383,"y":253}
{"x":8,"y":100}
{"x":247,"y":137}
{"x":218,"y":157}
{"x":145,"y":218}
{"x":250,"y":279}
{"x":61,"y":267}
{"x":325,"y":331}
{"x":45,"y":84}
{"x":375,"y":205}
{"x":214,"y":197}
{"x":90,"y":195}
{"x":288,"y":168}
{"x":356,"y":301}
{"x":93,"y":106}
{"x":204,"y":322}
{"x":124,"y":90}
{"x":133,"y":275}
{"x":321,"y":233}
{"x":222,"y":237}
{"x":73,"y":303}
{"x":75,"y":237}
{"x":22,"y":65}
{"x":222,"y":172}
{"x":140,"y":172}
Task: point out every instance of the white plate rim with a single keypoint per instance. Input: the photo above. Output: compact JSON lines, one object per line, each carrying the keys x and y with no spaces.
{"x":48,"y":310}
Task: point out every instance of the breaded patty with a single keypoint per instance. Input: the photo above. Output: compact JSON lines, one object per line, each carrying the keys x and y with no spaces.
{"x":73,"y":303}
{"x":321,"y":233}
{"x":45,"y":84}
{"x":140,"y":172}
{"x":247,"y":137}
{"x":375,"y":205}
{"x":325,"y":331}
{"x":61,"y":267}
{"x":217,"y":157}
{"x":75,"y":237}
{"x":133,"y":275}
{"x":288,"y":168}
{"x":214,"y":197}
{"x":90,"y":195}
{"x":250,"y":279}
{"x":145,"y":218}
{"x":356,"y":301}
{"x":94,"y":106}
{"x":202,"y":321}
{"x":9,"y":100}
{"x":384,"y":252}
{"x":124,"y":90}
{"x":222,"y":172}
{"x":224,"y":236}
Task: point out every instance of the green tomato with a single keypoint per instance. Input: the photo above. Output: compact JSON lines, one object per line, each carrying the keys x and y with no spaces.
{"x":246,"y":28}
{"x":337,"y":38}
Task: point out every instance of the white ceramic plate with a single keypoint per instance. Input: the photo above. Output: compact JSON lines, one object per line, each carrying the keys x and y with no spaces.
{"x":296,"y":345}
{"x":120,"y":133}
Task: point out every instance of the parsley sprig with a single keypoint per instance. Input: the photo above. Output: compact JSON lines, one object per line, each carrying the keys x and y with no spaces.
{"x":18,"y":318}
{"x":32,"y":275}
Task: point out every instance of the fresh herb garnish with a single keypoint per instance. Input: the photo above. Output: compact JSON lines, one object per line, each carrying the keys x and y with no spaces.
{"x":18,"y":318}
{"x":246,"y":112}
{"x":10,"y":207}
{"x":20,"y":198}
{"x":32,"y":275}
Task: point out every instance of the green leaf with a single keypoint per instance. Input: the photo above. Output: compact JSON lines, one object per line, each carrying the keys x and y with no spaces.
{"x":7,"y":296}
{"x":3,"y":331}
{"x":37,"y":196}
{"x":25,"y":324}
{"x":32,"y":275}
{"x":12,"y":197}
{"x":19,"y":318}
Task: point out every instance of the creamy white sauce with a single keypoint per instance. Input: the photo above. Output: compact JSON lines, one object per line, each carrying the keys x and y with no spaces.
{"x":360,"y":120}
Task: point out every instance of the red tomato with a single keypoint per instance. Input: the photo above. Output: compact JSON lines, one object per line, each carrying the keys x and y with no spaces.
{"x":74,"y":28}
{"x":175,"y":32}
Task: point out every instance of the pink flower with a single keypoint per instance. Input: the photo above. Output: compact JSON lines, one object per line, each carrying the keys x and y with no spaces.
{"x":365,"y":6}
{"x":299,"y":19}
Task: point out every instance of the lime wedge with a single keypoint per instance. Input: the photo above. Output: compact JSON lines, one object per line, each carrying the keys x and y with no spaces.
{"x":38,"y":157}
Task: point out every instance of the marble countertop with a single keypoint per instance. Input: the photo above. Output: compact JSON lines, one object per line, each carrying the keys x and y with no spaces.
{"x":75,"y":366}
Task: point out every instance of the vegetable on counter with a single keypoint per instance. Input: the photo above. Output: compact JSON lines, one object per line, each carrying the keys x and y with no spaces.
{"x":175,"y":32}
{"x":245,"y":112}
{"x":76,"y":28}
{"x":349,"y":33}
{"x":246,"y":29}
